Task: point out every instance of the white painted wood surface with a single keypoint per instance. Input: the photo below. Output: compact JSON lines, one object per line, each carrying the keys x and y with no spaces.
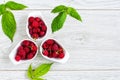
{"x":94,"y":44}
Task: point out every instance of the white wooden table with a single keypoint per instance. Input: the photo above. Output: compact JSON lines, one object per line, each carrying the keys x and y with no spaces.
{"x":94,"y":44}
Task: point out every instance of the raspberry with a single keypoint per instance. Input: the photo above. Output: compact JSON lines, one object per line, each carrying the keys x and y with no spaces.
{"x":60,"y":50}
{"x":35,"y":36}
{"x":41,"y":23}
{"x":61,"y":55}
{"x":30,"y":31}
{"x":33,"y":48}
{"x":55,"y":54}
{"x":44,"y":28}
{"x":17,"y":58}
{"x":20,"y":48}
{"x":26,"y":49}
{"x":37,"y":19}
{"x":30,"y":56}
{"x":50,"y":41}
{"x":25,"y":43}
{"x":55,"y":47}
{"x":35,"y":24}
{"x":21,"y":53}
{"x":31,"y":19}
{"x":42,"y":33}
{"x":44,"y":46}
{"x":45,"y":53}
{"x":38,"y":30}
{"x":34,"y":30}
{"x":50,"y":56}
{"x":30,"y":27}
{"x":33,"y":52}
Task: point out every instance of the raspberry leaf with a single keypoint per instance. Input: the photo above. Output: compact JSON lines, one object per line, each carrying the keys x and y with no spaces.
{"x":58,"y":21}
{"x":29,"y":72}
{"x":41,"y":70}
{"x":2,"y":9}
{"x":59,"y":8}
{"x":8,"y":24}
{"x":15,"y":6}
{"x":73,"y":13}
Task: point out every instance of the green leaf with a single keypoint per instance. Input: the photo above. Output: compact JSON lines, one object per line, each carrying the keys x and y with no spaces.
{"x":38,"y":79}
{"x":41,"y":70}
{"x":29,"y":72}
{"x":8,"y":24}
{"x":73,"y":13}
{"x":15,"y":6}
{"x":58,"y":21}
{"x":2,"y":9}
{"x":59,"y":8}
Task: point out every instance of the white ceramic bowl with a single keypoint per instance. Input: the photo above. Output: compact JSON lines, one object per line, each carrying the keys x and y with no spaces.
{"x":64,"y":60}
{"x":37,"y":14}
{"x":13,"y":53}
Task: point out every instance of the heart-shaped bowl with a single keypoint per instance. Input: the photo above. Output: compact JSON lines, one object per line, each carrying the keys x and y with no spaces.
{"x":36,"y":26}
{"x":56,"y":53}
{"x":23,"y":52}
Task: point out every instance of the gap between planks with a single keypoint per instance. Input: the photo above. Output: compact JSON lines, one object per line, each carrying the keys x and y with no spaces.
{"x":79,"y":9}
{"x":74,"y":70}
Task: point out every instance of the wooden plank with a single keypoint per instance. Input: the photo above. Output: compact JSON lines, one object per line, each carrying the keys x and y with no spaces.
{"x":79,"y":4}
{"x":63,"y":75}
{"x":79,"y":60}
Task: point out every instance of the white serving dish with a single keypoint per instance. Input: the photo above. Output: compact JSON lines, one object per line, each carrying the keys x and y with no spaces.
{"x":37,"y":14}
{"x":13,"y":54}
{"x":64,"y":60}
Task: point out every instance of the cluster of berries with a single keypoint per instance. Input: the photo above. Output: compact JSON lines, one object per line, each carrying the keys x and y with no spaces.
{"x":26,"y":50}
{"x":37,"y":27}
{"x":52,"y":49}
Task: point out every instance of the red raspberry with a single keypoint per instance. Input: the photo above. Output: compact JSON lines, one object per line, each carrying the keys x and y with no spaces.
{"x":45,"y":53}
{"x":21,"y":53}
{"x":26,"y":49}
{"x":30,"y":31}
{"x":42,"y":33}
{"x":55,"y":54}
{"x":31,"y":19}
{"x":50,"y":48}
{"x":61,"y":55}
{"x":25,"y":43}
{"x":33,"y":48}
{"x":41,"y":23}
{"x":33,"y":52}
{"x":60,"y":50}
{"x":30,"y":27}
{"x":44,"y":46}
{"x":55,"y":47}
{"x":50,"y":55}
{"x":50,"y":41}
{"x":35,"y":36}
{"x":35,"y":24}
{"x":20,"y":48}
{"x":34,"y":30}
{"x":17,"y":58}
{"x":37,"y":19}
{"x":44,"y":28}
{"x":30,"y":56}
{"x":38,"y":30}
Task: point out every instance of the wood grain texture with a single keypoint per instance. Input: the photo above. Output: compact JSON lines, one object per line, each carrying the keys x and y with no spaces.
{"x":63,"y":75}
{"x":79,"y":4}
{"x":94,"y":44}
